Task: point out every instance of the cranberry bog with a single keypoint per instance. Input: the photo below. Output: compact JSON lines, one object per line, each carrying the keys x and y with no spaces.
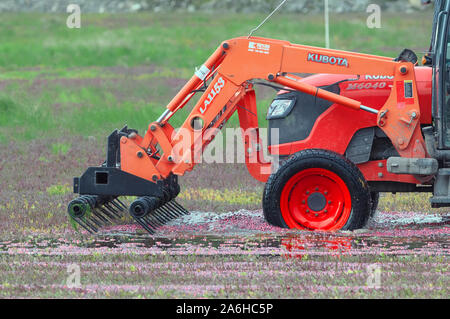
{"x":56,"y":110}
{"x":224,"y":248}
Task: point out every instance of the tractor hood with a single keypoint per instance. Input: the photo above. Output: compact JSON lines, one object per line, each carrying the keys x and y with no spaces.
{"x":373,"y":90}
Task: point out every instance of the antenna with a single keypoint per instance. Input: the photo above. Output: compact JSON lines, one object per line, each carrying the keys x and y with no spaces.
{"x":267,"y":18}
{"x":327,"y":25}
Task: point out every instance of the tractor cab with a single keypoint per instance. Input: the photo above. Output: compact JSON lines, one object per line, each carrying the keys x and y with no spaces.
{"x":440,"y":50}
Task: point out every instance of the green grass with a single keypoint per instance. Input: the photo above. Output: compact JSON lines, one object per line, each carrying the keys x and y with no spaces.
{"x":56,"y":81}
{"x":184,"y":40}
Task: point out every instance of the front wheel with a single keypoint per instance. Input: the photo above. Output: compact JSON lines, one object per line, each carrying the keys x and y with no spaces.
{"x":375,"y":199}
{"x":317,"y":190}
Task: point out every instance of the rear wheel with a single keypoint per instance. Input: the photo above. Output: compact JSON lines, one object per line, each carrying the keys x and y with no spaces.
{"x":317,"y":190}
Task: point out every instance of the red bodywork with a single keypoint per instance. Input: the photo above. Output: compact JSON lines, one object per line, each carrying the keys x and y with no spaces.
{"x":372,"y":91}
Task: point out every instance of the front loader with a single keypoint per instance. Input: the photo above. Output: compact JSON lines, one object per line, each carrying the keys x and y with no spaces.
{"x":364,"y":124}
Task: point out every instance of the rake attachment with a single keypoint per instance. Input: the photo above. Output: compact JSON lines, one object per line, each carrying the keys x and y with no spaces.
{"x":152,"y":212}
{"x":93,"y":212}
{"x":99,"y":188}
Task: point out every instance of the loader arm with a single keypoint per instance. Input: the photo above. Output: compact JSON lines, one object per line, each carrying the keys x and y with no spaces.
{"x":231,"y":68}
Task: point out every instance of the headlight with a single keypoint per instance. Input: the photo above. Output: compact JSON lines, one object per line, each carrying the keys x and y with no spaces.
{"x":280,"y":108}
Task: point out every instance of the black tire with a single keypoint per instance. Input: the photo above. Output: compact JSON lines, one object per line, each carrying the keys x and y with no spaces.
{"x":325,"y":160}
{"x":375,"y":197}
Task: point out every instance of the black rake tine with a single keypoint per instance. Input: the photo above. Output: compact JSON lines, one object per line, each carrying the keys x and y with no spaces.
{"x":173,"y":213}
{"x":112,"y":210}
{"x":175,"y":209}
{"x":169,"y":214}
{"x":87,"y":222}
{"x":116,"y":211}
{"x":97,"y":211}
{"x":170,"y":210}
{"x":95,"y":229}
{"x":121,"y":203}
{"x":101,"y":217}
{"x":156,"y":216}
{"x":96,"y":221}
{"x":120,"y":208}
{"x":107,"y":213}
{"x":150,"y":223}
{"x":107,"y":204}
{"x":186,"y":212}
{"x":144,"y":225}
{"x":79,"y":222}
{"x":163,"y":214}
{"x":154,"y":220}
{"x":181,"y":207}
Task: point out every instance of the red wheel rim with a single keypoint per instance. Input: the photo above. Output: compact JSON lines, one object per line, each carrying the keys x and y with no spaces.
{"x":315,"y":199}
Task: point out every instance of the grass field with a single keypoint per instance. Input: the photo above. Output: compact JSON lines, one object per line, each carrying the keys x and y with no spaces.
{"x":63,"y":91}
{"x":119,"y":68}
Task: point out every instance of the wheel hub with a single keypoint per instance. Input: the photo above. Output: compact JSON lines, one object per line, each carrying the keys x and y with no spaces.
{"x":316,"y":201}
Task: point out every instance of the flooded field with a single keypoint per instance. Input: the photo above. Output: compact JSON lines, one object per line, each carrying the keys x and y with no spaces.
{"x":236,"y":254}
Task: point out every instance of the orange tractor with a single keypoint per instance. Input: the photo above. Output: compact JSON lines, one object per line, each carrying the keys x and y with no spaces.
{"x":362,"y":125}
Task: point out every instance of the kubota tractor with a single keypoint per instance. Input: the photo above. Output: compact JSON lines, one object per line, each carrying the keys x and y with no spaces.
{"x":362,"y":125}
